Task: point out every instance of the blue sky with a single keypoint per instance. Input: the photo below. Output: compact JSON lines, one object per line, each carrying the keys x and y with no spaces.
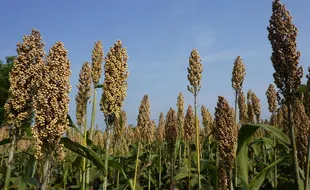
{"x":159,"y":36}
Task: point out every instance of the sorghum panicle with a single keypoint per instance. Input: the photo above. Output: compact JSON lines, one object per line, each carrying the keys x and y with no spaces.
{"x":194,"y":71}
{"x":171,"y":129}
{"x":271,"y":94}
{"x":161,"y":128}
{"x":97,"y":59}
{"x":115,"y":81}
{"x":144,"y":123}
{"x":243,"y":109}
{"x":189,"y":125}
{"x":256,"y":107}
{"x":84,"y":93}
{"x":24,"y":80}
{"x":238,"y":74}
{"x":180,"y":106}
{"x":52,"y":101}
{"x":226,"y":135}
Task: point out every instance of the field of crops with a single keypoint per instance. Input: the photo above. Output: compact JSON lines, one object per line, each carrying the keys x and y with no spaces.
{"x":41,"y":147}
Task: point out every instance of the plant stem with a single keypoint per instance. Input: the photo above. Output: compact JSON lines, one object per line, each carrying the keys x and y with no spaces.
{"x":307,"y":166}
{"x":106,"y":161}
{"x":117,"y":177}
{"x":149,"y":184}
{"x":294,"y":149}
{"x":9,"y":168}
{"x":236,"y":120}
{"x":159,"y":167}
{"x":91,"y":131}
{"x":180,"y":155}
{"x":136,"y":167}
{"x":231,"y":183}
{"x":197,"y":140}
{"x":275,"y":159}
{"x":189,"y":165}
{"x":84,"y":159}
{"x":46,"y":174}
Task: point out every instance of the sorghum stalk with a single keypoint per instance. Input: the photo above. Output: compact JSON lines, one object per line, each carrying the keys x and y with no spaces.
{"x":82,"y":97}
{"x":226,"y":135}
{"x":51,"y":107}
{"x":180,"y":106}
{"x":97,"y":59}
{"x":237,"y":79}
{"x":272,"y":106}
{"x":114,"y":91}
{"x":160,"y":139}
{"x":194,"y":77}
{"x":189,"y":131}
{"x":285,"y":59}
{"x":171,"y":133}
{"x":23,"y":86}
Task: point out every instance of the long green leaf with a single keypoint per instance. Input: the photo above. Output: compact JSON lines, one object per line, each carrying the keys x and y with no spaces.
{"x":244,"y":136}
{"x":92,"y":156}
{"x":260,"y":177}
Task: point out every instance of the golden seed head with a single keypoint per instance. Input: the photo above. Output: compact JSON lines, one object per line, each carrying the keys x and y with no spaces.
{"x":194,"y":71}
{"x":189,"y":125}
{"x":250,"y":110}
{"x":115,"y":81}
{"x":4,"y":134}
{"x":180,"y":106}
{"x":171,"y":129}
{"x":256,"y":107}
{"x":283,"y":118}
{"x":271,"y":98}
{"x":226,"y":133}
{"x":302,"y":124}
{"x":99,"y":139}
{"x":97,"y":59}
{"x":243,"y":110}
{"x":161,"y":128}
{"x":52,"y":101}
{"x":23,"y":145}
{"x":238,"y":74}
{"x":24,"y":77}
{"x":144,"y":123}
{"x":285,"y":57}
{"x":84,"y":93}
{"x":207,"y":120}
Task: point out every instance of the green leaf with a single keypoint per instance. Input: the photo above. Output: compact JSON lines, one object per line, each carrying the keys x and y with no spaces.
{"x":244,"y":136}
{"x":99,"y":86}
{"x":260,"y":177}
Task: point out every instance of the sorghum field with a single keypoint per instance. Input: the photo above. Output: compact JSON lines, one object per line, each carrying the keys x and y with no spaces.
{"x":234,"y":148}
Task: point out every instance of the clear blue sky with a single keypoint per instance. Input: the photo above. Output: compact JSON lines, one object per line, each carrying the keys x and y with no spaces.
{"x":159,"y":36}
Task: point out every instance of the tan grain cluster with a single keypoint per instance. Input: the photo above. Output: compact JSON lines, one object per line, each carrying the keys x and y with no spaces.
{"x":180,"y":106}
{"x":238,"y":74}
{"x":115,"y":81}
{"x":144,"y":123}
{"x":4,"y":134}
{"x":161,"y":128}
{"x":24,"y":80}
{"x":84,"y":93}
{"x":307,"y":95}
{"x":243,"y":109}
{"x":283,"y":119}
{"x":171,"y":129}
{"x":256,"y":107}
{"x":189,"y":125}
{"x":52,"y":101}
{"x":302,"y":124}
{"x":194,"y":71}
{"x":285,"y":57}
{"x":226,"y":135}
{"x":207,"y":120}
{"x":97,"y":59}
{"x":98,"y":139}
{"x":271,"y":98}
